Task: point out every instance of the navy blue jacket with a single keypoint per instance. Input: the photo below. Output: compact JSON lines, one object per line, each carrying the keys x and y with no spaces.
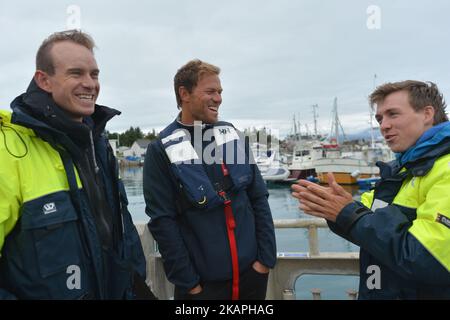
{"x":192,"y":240}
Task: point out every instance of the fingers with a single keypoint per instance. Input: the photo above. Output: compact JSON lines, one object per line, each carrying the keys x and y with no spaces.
{"x":312,"y":194}
{"x":296,"y":195}
{"x":302,"y":185}
{"x":298,"y":188}
{"x":310,"y":191}
{"x":310,"y":203}
{"x":306,"y":207}
{"x":335,"y":186}
{"x":319,"y":191}
{"x":304,"y":195}
{"x":331,"y":179}
{"x":319,"y":201}
{"x":315,"y":202}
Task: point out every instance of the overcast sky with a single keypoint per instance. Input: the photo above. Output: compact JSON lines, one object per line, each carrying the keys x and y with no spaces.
{"x":278,"y":58}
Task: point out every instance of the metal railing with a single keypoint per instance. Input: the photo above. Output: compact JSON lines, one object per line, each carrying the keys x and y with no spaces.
{"x":310,"y":224}
{"x":282,"y":278}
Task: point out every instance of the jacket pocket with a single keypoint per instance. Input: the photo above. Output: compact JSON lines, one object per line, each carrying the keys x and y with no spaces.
{"x":52,"y":223}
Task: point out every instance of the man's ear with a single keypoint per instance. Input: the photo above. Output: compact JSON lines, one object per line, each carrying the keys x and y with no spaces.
{"x":184,"y":94}
{"x":428,"y":112}
{"x":43,"y":80}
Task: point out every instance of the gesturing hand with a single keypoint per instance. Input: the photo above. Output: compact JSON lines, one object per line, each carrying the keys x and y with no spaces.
{"x":320,"y":201}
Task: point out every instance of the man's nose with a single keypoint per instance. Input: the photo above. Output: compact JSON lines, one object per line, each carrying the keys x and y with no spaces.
{"x":384,"y":125}
{"x":89,"y":82}
{"x":217,"y":97}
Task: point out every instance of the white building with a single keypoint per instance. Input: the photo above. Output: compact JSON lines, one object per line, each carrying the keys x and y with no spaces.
{"x":114,"y":145}
{"x":124,"y":151}
{"x":139,"y":148}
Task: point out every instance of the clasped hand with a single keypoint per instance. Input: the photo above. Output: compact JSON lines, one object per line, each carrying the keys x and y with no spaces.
{"x":321,"y":201}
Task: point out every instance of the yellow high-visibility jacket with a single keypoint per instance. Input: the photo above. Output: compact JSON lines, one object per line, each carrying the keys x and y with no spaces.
{"x":48,"y":233}
{"x":403,"y":230}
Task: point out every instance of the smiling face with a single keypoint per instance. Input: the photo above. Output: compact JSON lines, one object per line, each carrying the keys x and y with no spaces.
{"x":401,"y":125}
{"x":74,"y":85}
{"x":202,"y":104}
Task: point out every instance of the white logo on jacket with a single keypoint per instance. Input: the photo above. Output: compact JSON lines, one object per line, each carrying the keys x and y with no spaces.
{"x":224,"y":134}
{"x":49,"y":208}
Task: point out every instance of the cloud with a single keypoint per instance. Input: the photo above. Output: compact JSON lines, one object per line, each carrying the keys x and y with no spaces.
{"x":277,"y":57}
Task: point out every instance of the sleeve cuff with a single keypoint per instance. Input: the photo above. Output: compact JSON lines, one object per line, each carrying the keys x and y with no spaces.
{"x":350,"y":214}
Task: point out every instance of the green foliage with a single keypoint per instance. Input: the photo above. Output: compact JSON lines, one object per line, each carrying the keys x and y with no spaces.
{"x":151,"y":135}
{"x":128,"y":137}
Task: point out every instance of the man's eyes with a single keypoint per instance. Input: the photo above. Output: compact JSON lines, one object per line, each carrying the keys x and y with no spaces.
{"x":77,"y":73}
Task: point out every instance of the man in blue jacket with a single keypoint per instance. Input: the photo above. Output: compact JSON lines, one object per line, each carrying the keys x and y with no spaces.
{"x":403,"y":226}
{"x":206,"y":198}
{"x":65,"y":231}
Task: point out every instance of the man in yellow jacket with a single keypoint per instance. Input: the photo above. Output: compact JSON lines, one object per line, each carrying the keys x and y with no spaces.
{"x":65,"y":231}
{"x":403,"y":225}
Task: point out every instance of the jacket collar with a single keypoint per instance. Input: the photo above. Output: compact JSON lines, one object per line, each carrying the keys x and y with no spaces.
{"x":35,"y":109}
{"x":429,"y":140}
{"x":419,"y":166}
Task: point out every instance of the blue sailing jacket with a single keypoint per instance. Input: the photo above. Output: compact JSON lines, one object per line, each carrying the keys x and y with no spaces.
{"x":187,"y":215}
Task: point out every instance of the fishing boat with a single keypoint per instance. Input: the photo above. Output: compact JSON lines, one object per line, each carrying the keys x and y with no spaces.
{"x":342,"y":166}
{"x":343,"y":169}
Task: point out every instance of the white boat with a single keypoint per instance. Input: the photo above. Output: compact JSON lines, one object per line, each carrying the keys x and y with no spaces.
{"x":304,"y":157}
{"x":321,"y":158}
{"x":270,"y":164}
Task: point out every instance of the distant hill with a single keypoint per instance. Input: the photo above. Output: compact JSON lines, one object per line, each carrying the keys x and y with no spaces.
{"x":353,"y":135}
{"x":364,"y":134}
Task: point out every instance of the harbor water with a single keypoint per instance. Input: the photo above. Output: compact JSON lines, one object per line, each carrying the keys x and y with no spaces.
{"x":283,"y":206}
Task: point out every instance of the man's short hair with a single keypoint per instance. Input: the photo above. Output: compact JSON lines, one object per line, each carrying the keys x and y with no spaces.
{"x":421,"y":94}
{"x":44,"y":60}
{"x":190,"y":74}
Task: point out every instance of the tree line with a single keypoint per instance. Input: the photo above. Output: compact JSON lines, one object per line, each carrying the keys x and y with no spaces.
{"x":128,"y":137}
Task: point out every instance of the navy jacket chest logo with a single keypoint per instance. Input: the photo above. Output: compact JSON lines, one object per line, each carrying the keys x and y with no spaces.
{"x":187,"y":164}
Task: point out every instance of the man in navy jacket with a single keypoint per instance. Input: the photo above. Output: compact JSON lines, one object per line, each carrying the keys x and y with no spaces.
{"x":206,"y":198}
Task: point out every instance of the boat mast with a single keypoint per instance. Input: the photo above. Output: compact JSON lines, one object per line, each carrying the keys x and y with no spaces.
{"x":336,"y":121}
{"x":315,"y":115}
{"x":336,"y":124}
{"x":295,"y":129}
